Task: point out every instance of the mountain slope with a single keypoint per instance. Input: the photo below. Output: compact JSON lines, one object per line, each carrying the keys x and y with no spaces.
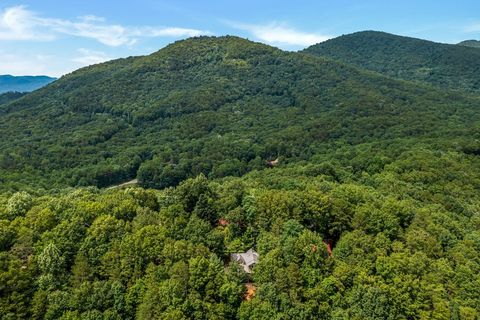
{"x":23,"y":83}
{"x":10,"y":96}
{"x":218,"y":106}
{"x":372,"y":211}
{"x":470,"y":43}
{"x":442,"y":65}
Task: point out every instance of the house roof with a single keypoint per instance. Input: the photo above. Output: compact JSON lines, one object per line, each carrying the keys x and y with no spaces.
{"x":246,"y":259}
{"x":250,"y":257}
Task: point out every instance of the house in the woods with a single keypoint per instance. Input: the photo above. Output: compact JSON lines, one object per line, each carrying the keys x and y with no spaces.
{"x":247,"y":260}
{"x":272,"y":163}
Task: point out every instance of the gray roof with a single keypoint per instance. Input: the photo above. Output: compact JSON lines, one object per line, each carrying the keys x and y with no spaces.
{"x":247,"y":259}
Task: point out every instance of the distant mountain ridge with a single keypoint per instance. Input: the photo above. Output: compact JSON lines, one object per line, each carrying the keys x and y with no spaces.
{"x":470,"y":43}
{"x":23,"y":83}
{"x":442,"y":65}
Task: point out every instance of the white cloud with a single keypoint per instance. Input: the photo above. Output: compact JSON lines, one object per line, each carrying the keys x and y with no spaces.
{"x":88,"y":57}
{"x":20,"y":63}
{"x":281,"y":34}
{"x":473,"y":28}
{"x":91,"y":17}
{"x":16,"y":64}
{"x":19,"y":23}
{"x":110,"y":35}
{"x":167,"y":32}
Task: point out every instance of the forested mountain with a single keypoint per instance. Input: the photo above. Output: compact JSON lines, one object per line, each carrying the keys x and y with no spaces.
{"x":370,"y":211}
{"x":442,"y":65}
{"x":217,"y":106}
{"x":23,"y":83}
{"x":470,"y":43}
{"x":10,"y":96}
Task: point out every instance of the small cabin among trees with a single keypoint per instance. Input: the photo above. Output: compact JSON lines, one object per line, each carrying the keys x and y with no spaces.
{"x":272,"y":163}
{"x":247,"y":260}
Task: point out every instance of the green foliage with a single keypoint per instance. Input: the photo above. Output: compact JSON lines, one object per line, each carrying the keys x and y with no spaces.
{"x":443,"y":65}
{"x":470,"y":43}
{"x":371,"y":213}
{"x":220,"y":107}
{"x":18,"y":205}
{"x":10,"y":96}
{"x":132,"y":253}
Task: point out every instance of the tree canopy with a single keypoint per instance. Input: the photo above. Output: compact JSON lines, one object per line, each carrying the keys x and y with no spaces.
{"x":371,"y":209}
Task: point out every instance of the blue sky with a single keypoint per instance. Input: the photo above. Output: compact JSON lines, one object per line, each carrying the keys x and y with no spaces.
{"x":54,"y":37}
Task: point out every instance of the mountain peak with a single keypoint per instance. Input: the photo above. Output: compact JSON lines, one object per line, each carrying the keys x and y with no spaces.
{"x":178,"y":98}
{"x":470,"y":43}
{"x":443,"y":65}
{"x":202,"y":44}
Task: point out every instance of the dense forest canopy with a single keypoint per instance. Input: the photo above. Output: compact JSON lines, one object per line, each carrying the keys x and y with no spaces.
{"x":470,"y":43}
{"x":442,"y":65}
{"x":10,"y":96}
{"x":406,"y":245}
{"x":217,"y":106}
{"x":371,"y":209}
